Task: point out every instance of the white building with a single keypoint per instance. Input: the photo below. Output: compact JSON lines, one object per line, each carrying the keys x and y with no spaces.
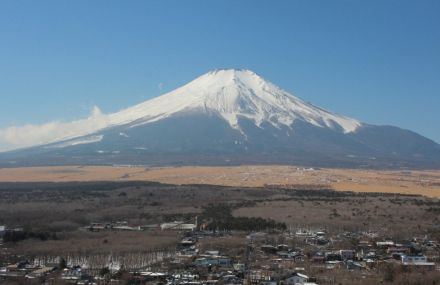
{"x":416,"y":260}
{"x":347,"y":254}
{"x":296,"y":279}
{"x":179,"y":226}
{"x":413,"y":258}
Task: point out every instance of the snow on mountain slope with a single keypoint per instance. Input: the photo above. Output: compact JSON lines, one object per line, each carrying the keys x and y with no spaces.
{"x":223,"y":117}
{"x":233,"y":94}
{"x":78,"y":141}
{"x":230,"y":94}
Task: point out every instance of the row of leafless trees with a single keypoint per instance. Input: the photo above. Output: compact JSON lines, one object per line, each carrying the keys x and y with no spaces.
{"x":131,"y":261}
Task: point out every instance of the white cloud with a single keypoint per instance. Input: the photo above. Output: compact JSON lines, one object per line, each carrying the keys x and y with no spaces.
{"x":30,"y":135}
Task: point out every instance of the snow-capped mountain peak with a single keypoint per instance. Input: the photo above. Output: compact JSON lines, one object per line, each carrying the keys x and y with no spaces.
{"x":230,"y":94}
{"x":233,"y":94}
{"x":225,"y":116}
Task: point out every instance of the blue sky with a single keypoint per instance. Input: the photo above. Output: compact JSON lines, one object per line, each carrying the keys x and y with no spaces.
{"x":377,"y":61}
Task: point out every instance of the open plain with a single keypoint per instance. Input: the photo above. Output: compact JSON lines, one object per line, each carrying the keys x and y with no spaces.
{"x":114,"y":228}
{"x":419,"y":182}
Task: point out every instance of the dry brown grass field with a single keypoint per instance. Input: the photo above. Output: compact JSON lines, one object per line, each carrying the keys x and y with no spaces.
{"x":283,"y":193}
{"x":426,"y":182}
{"x":96,"y":243}
{"x":61,"y":212}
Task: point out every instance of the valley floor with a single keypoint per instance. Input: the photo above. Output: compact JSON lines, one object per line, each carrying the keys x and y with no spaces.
{"x":134,"y":232}
{"x":419,"y":182}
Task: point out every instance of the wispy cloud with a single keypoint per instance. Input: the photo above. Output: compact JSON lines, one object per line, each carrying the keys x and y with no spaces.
{"x":30,"y":135}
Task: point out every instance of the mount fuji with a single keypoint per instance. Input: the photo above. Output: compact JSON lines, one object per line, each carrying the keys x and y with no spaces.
{"x":229,"y":116}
